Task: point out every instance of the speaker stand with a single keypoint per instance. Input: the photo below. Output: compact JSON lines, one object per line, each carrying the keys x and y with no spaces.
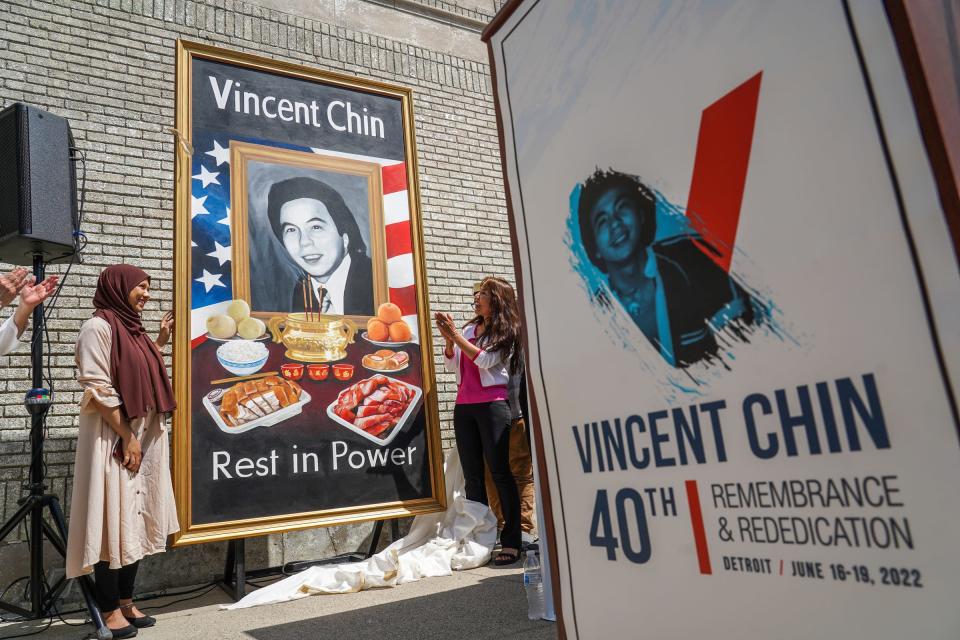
{"x":32,"y":506}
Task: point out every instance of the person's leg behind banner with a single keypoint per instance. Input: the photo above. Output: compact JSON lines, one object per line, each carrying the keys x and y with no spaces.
{"x":521,"y":465}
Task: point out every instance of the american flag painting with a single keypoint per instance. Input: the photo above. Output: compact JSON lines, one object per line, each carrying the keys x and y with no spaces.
{"x":211,"y":239}
{"x":340,"y":422}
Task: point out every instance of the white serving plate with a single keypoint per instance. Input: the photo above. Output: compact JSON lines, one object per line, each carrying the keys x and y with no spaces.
{"x":385,"y":371}
{"x":264,"y":336}
{"x":413,"y":406}
{"x":380,"y":343}
{"x":266,"y":421}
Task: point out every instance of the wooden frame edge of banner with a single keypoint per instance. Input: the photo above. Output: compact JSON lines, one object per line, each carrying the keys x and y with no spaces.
{"x":534,"y":426}
{"x":918,"y":84}
{"x":431,"y":402}
{"x":181,"y":264}
{"x":186,"y":51}
{"x":494,"y":25}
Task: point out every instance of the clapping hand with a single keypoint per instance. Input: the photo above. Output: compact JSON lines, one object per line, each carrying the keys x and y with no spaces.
{"x":31,"y":295}
{"x":445,"y":325}
{"x":12,"y":283}
{"x":166,"y":329}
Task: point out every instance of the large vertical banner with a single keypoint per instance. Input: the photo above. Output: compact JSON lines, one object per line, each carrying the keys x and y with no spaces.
{"x":741,"y":301}
{"x":306,"y":396}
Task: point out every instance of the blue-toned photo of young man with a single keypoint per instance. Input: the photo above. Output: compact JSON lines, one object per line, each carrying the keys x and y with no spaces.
{"x":679,"y":297}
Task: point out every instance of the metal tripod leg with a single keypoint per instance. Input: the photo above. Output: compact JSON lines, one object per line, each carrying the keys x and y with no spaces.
{"x":86,"y":585}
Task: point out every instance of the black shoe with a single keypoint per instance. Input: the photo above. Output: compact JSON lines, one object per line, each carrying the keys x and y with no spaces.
{"x":128,"y":631}
{"x":142,"y":622}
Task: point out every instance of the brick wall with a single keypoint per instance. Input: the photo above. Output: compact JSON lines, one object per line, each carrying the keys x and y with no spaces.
{"x":108,"y":66}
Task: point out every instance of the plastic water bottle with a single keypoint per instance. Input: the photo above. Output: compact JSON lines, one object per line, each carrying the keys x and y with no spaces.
{"x":533,"y":584}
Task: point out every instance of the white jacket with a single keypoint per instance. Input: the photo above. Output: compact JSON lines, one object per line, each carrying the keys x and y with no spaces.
{"x":492,"y":364}
{"x":9,"y":340}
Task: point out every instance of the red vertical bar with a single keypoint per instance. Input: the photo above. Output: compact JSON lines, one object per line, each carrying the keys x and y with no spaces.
{"x":696,"y":521}
{"x":394,"y":178}
{"x":720,"y":168}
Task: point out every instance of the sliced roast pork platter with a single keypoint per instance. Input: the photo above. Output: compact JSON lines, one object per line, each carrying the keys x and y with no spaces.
{"x":252,"y":404}
{"x":376,"y":408}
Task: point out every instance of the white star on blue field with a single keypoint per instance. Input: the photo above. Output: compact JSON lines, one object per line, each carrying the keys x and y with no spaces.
{"x":211,"y":259}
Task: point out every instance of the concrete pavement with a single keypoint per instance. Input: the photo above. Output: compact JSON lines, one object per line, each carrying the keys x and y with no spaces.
{"x":484,"y":603}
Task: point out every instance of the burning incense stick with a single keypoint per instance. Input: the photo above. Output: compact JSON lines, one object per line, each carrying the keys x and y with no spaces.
{"x":323,"y":292}
{"x":303,"y":285}
{"x":310,"y":295}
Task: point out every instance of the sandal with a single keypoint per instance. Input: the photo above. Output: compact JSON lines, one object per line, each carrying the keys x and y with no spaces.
{"x":505,"y":558}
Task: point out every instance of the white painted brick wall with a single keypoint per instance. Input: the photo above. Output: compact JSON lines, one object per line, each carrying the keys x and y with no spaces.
{"x":108,"y":66}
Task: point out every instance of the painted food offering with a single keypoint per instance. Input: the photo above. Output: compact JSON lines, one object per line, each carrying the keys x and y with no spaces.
{"x":388,"y":326}
{"x":386,"y":360}
{"x":376,"y":407}
{"x":235,"y":322}
{"x":254,"y":399}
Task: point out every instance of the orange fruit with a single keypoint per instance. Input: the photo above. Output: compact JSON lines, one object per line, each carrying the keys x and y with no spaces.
{"x":377,"y":330}
{"x":389,"y":312}
{"x":399,"y":331}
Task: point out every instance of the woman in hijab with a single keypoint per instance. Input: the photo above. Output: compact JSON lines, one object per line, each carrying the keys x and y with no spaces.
{"x":122,"y":507}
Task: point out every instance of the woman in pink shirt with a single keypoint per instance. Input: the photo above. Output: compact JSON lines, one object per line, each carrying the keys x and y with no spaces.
{"x":482,"y":357}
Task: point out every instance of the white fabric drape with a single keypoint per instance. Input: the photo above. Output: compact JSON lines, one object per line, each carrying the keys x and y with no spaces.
{"x":460,"y":538}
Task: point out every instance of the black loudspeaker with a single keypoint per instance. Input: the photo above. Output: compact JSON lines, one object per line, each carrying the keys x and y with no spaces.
{"x":38,"y":186}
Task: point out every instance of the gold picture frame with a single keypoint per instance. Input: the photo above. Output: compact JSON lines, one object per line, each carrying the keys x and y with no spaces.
{"x":242,"y":153}
{"x":191,"y":531}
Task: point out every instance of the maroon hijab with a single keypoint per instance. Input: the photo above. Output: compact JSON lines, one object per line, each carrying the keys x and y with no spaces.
{"x":136,"y":365}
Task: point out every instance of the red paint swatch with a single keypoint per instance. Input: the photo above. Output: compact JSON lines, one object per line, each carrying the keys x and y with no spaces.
{"x":720,"y":168}
{"x":405,"y":298}
{"x":394,"y":178}
{"x":399,"y":240}
{"x":696,"y":521}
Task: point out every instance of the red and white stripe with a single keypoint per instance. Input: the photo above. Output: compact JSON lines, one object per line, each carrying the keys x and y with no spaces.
{"x":401,"y":278}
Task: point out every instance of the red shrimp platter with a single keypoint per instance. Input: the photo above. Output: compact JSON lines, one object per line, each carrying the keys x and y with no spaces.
{"x":376,"y":408}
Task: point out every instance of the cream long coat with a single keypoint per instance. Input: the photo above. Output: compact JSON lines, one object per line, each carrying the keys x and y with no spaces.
{"x":115,"y":515}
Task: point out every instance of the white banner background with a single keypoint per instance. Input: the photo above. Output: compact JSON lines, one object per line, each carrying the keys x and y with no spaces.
{"x":622,"y":85}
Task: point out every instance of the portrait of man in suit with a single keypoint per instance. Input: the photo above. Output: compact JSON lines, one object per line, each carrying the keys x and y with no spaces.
{"x":307,"y":231}
{"x":682,"y":301}
{"x":323,"y":241}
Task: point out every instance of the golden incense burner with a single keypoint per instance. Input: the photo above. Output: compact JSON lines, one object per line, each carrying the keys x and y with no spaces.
{"x":313,"y":338}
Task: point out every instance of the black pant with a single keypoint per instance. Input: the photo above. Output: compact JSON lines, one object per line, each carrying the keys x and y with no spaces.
{"x":114,"y":585}
{"x":483,"y":433}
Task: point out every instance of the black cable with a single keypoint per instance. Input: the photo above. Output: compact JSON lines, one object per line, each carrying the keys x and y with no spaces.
{"x":164,"y":594}
{"x":4,"y":593}
{"x":78,"y":235}
{"x":212,"y":586}
{"x":79,"y":244}
{"x":260,"y":583}
{"x":60,"y":615}
{"x":26,"y":596}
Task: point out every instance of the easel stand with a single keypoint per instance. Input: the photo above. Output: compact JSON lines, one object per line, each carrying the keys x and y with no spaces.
{"x":32,"y":506}
{"x":235,"y":575}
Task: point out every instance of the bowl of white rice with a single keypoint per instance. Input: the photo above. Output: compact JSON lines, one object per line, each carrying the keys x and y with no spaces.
{"x":242,"y":357}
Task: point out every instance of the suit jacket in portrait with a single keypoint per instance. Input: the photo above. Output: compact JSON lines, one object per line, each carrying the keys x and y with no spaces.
{"x":357,"y":293}
{"x":701,"y":299}
{"x":696,"y":300}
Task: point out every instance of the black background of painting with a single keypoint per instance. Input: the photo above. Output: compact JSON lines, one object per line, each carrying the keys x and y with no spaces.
{"x":229,"y":122}
{"x":288,"y":493}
